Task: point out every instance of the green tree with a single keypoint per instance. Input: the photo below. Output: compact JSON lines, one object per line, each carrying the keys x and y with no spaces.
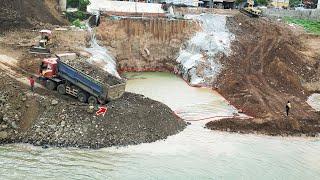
{"x":239,"y":2}
{"x":293,"y":3}
{"x":80,"y":4}
{"x":262,"y":2}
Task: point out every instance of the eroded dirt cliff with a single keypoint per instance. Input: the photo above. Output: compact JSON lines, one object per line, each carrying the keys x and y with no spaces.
{"x":267,"y":69}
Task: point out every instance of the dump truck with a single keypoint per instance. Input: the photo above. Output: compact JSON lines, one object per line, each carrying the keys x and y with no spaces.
{"x":56,"y":74}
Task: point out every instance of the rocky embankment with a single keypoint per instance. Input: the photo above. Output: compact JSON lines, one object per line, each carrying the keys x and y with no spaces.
{"x":45,"y":119}
{"x":267,"y":68}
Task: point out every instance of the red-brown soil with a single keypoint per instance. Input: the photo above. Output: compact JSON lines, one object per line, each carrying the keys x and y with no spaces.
{"x":265,"y":71}
{"x":29,"y":14}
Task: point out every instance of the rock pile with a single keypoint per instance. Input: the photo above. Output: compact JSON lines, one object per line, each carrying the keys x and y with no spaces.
{"x":133,"y":119}
{"x":49,"y":119}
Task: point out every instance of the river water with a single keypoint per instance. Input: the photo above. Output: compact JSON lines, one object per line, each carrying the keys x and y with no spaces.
{"x":195,"y":153}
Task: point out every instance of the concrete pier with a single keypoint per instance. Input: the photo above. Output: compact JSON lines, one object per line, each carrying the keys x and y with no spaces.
{"x":63,"y":5}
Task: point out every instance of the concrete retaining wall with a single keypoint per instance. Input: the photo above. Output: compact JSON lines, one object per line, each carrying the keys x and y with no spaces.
{"x":304,"y":14}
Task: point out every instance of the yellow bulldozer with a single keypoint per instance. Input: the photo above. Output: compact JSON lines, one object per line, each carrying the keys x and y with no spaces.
{"x":42,"y":46}
{"x":250,"y":10}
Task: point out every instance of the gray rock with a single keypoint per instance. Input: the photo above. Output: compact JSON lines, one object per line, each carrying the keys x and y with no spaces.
{"x":38,"y":129}
{"x":63,"y":123}
{"x":3,"y":135}
{"x":1,"y":117}
{"x":54,"y":102}
{"x":2,"y":100}
{"x":4,"y":126}
{"x":52,"y":126}
{"x":14,"y":125}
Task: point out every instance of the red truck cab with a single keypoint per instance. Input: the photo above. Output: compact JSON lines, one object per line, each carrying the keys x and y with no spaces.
{"x":48,"y":67}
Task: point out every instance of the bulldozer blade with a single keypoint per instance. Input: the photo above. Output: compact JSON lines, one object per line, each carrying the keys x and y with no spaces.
{"x":37,"y":50}
{"x":248,"y":13}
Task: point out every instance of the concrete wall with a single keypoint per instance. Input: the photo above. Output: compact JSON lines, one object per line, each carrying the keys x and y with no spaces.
{"x":304,"y":14}
{"x":63,"y":5}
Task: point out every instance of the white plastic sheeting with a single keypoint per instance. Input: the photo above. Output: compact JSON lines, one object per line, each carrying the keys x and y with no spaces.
{"x":101,"y":56}
{"x":198,"y":62}
{"x":194,"y":3}
{"x":314,"y":101}
{"x":123,"y":6}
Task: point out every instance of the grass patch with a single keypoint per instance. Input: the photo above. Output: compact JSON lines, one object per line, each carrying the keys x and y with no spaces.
{"x":78,"y":24}
{"x":312,"y":26}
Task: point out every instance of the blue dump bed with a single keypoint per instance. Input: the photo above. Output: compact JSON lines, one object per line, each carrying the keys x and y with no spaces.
{"x":90,"y":85}
{"x":81,"y":80}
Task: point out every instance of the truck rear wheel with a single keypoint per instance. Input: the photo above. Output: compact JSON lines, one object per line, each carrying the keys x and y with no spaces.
{"x":82,"y":97}
{"x":92,"y":100}
{"x":51,"y":85}
{"x":61,"y":89}
{"x":219,"y":5}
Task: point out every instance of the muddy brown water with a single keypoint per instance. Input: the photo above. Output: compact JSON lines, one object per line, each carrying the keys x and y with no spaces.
{"x":195,"y":153}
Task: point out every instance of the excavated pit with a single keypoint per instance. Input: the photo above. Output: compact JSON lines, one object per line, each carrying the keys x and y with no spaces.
{"x":264,"y":69}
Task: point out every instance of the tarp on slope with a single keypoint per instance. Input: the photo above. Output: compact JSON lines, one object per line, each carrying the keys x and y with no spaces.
{"x":199,"y":61}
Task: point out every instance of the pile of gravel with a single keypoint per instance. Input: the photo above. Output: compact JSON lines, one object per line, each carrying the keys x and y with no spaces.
{"x":132,"y":119}
{"x":93,"y":71}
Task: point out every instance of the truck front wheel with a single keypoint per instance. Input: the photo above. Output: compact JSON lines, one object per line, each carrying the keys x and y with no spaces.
{"x":92,"y":100}
{"x":61,"y":89}
{"x":51,"y":85}
{"x":82,"y":97}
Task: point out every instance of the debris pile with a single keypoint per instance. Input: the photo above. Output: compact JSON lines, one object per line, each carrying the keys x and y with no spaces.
{"x":132,"y":119}
{"x":46,"y":118}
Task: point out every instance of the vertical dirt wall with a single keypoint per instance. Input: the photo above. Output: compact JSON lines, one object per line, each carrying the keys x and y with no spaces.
{"x":145,"y":44}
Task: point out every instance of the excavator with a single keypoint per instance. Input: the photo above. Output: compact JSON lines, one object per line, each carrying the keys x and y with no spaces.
{"x":250,"y":10}
{"x":42,"y":47}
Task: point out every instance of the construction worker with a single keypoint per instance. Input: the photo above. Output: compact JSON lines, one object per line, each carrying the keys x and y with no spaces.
{"x":288,"y":107}
{"x":31,"y":80}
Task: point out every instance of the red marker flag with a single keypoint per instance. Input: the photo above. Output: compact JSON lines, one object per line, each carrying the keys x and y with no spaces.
{"x":102,"y":111}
